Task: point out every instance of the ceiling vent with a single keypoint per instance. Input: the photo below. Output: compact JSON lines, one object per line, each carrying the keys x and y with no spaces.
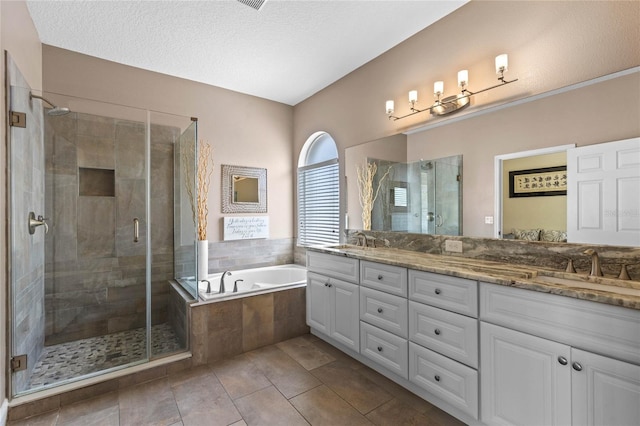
{"x":255,"y":4}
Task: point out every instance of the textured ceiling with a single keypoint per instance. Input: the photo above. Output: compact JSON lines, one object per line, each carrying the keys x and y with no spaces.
{"x":286,"y":51}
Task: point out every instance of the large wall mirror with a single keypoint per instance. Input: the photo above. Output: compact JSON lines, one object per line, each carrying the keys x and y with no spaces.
{"x":532,"y":124}
{"x":244,"y":189}
{"x":422,"y":196}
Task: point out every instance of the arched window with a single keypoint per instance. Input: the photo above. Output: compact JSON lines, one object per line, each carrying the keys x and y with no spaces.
{"x":318,"y":192}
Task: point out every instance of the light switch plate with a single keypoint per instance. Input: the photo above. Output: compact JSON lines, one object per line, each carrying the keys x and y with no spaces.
{"x":453,"y":246}
{"x":488,"y":220}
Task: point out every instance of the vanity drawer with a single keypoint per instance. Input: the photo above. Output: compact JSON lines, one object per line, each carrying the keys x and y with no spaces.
{"x":449,"y":380}
{"x":387,"y":278}
{"x":450,"y":334}
{"x":386,"y":349}
{"x":384,"y":310}
{"x":451,"y":293}
{"x":331,"y":265}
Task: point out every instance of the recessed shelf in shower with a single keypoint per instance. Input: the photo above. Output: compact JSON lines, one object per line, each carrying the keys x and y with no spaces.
{"x":97,"y":182}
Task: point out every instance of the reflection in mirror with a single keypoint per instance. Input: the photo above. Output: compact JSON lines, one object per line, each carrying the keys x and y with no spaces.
{"x":245,"y":189}
{"x":540,"y":217}
{"x":421,"y":197}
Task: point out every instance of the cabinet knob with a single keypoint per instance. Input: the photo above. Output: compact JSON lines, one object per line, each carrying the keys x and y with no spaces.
{"x":379,"y":348}
{"x":562,"y":360}
{"x":577,"y":366}
{"x":438,"y":291}
{"x":329,"y":285}
{"x":379,"y":310}
{"x":437,"y":331}
{"x":379,"y":277}
{"x":437,"y":378}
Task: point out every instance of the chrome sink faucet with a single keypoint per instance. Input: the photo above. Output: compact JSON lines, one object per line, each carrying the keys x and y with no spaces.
{"x":596,"y":270}
{"x":364,"y":238}
{"x":222,"y":280}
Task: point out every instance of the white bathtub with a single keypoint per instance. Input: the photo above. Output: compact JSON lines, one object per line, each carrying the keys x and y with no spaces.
{"x":254,"y":281}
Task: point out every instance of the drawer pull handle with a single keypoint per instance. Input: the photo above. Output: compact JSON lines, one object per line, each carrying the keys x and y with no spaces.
{"x":577,"y":366}
{"x":437,"y":331}
{"x":437,"y":378}
{"x":379,"y":348}
{"x":379,"y":277}
{"x":438,"y":291}
{"x":379,"y":310}
{"x":562,"y":360}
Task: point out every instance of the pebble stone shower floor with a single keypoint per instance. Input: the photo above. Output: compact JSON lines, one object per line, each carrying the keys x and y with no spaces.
{"x":78,"y":358}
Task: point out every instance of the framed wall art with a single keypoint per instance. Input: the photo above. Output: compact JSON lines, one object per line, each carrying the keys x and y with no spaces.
{"x":543,"y":182}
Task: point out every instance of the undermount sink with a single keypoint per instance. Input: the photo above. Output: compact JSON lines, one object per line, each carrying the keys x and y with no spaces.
{"x":586,"y":282}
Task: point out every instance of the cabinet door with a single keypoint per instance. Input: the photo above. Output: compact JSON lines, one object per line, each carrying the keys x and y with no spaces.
{"x":318,"y":302}
{"x":345,"y":313}
{"x":604,"y":391}
{"x":525,"y":380}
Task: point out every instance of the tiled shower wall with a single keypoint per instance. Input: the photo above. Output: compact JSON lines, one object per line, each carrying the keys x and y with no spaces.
{"x":26,"y":154}
{"x":95,"y":273}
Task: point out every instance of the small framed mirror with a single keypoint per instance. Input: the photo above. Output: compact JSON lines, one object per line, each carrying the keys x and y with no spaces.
{"x":244,"y":189}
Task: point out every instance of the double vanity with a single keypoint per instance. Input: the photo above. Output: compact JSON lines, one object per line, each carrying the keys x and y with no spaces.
{"x":488,"y":342}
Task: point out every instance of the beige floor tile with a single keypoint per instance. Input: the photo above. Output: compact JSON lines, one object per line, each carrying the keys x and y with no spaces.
{"x":398,"y":392}
{"x":102,"y":410}
{"x":335,"y":353}
{"x":201,"y":399}
{"x":148,"y":403}
{"x":321,"y":406}
{"x":395,"y":413}
{"x":268,"y":407}
{"x":356,"y":389}
{"x":240,"y":376}
{"x":281,"y":370}
{"x":305,"y":353}
{"x":240,"y":423}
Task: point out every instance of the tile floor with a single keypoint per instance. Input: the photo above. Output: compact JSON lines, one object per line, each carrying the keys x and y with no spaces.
{"x":300,"y":381}
{"x":78,"y":358}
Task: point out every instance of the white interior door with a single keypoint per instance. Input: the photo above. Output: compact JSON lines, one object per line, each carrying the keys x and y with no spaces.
{"x":603,"y":193}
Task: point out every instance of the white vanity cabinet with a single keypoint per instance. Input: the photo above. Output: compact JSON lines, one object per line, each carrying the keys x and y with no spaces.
{"x":333,"y":303}
{"x":539,"y":366}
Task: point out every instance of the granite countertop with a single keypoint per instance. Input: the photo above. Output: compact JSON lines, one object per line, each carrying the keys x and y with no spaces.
{"x":625,"y":293}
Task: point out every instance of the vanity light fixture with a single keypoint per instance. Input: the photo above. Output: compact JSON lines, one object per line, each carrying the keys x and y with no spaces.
{"x":449,"y":104}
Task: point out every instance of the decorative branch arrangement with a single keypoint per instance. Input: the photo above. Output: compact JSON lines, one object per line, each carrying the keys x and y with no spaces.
{"x":204,"y":167}
{"x":366,"y":173}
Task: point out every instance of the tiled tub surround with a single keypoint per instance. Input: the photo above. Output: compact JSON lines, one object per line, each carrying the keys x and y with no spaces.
{"x":94,"y":273}
{"x":223,"y":329}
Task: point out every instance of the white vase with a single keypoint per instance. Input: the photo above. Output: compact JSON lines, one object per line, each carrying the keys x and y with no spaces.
{"x":203,"y":259}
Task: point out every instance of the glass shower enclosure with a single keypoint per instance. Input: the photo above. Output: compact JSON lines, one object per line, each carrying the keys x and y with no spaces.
{"x":99,"y":231}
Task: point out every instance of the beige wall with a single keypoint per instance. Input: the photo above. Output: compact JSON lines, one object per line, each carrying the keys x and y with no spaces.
{"x":18,"y":36}
{"x":243,"y":130}
{"x":550,"y":45}
{"x":548,"y":213}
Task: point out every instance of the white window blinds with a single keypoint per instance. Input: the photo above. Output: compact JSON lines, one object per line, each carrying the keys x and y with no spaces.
{"x":319,"y":204}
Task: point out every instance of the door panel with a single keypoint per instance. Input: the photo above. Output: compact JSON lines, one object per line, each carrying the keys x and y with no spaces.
{"x":602,"y":194}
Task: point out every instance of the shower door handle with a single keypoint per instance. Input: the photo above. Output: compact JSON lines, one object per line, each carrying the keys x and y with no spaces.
{"x":439,"y":220}
{"x":136,"y":230}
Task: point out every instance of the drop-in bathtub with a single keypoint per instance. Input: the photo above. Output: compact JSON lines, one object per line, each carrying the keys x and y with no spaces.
{"x":254,"y":281}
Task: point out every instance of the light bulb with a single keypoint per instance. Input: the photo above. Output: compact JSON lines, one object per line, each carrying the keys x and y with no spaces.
{"x":502,"y":63}
{"x":463,"y":78}
{"x":389,"y":107}
{"x":413,"y":96}
{"x":438,"y":88}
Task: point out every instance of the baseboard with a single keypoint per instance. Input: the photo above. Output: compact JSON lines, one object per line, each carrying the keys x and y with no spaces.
{"x":4,"y":412}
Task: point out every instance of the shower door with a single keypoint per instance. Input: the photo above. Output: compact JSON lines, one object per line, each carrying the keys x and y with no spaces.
{"x":79,"y":284}
{"x":441,"y":185}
